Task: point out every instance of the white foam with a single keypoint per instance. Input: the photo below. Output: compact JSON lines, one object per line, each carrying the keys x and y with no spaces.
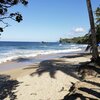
{"x":15,"y":54}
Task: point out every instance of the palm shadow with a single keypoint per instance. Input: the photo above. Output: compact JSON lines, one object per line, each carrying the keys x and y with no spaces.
{"x":74,"y":92}
{"x":90,"y":91}
{"x":93,"y":83}
{"x":78,"y":96}
{"x":23,"y":60}
{"x":6,"y":87}
{"x":52,"y":66}
{"x":76,"y":55}
{"x":89,"y":68}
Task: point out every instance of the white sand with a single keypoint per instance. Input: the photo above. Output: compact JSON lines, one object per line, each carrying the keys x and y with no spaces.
{"x":44,"y":87}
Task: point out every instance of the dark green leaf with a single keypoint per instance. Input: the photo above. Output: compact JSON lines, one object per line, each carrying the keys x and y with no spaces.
{"x":1,"y":29}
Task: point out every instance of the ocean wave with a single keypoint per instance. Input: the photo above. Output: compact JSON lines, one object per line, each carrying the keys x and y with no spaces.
{"x":15,"y":54}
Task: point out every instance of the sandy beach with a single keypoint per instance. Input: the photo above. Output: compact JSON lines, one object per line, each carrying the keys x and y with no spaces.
{"x":54,"y":51}
{"x":49,"y":79}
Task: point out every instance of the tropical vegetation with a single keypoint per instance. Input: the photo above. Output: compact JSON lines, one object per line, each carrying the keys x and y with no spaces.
{"x":86,"y":39}
{"x":4,"y":12}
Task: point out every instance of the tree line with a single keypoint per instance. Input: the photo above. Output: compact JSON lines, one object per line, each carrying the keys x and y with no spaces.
{"x":93,"y":38}
{"x":86,"y":39}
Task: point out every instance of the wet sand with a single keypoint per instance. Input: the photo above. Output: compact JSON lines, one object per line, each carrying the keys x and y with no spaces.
{"x":22,"y":62}
{"x":49,"y":79}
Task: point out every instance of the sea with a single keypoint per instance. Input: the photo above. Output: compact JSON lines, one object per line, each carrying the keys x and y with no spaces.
{"x":13,"y":50}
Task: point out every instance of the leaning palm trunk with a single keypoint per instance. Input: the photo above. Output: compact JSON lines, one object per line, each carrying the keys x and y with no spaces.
{"x":95,"y":53}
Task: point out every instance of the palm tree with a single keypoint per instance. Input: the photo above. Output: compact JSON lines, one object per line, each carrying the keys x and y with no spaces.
{"x":97,"y":13}
{"x":95,"y":54}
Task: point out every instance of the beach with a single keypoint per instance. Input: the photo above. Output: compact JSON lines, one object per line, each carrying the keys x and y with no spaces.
{"x":46,"y":77}
{"x":53,"y":54}
{"x":47,"y":80}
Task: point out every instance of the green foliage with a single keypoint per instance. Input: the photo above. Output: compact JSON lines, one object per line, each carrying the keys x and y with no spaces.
{"x":97,"y":28}
{"x":87,"y":38}
{"x":1,"y":29}
{"x":84,"y":39}
{"x":97,"y":13}
{"x":79,"y":40}
{"x":18,"y":17}
{"x":98,"y":33}
{"x":4,"y":12}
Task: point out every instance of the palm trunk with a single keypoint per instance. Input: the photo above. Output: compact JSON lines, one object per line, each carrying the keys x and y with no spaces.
{"x":95,"y":53}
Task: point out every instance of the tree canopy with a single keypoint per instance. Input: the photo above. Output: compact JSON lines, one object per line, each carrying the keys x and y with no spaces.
{"x":5,"y":14}
{"x":97,"y":13}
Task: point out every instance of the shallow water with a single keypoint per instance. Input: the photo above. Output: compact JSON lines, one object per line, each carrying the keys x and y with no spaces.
{"x":13,"y":50}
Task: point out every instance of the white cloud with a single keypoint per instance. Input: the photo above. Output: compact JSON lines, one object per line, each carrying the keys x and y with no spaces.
{"x":79,"y":30}
{"x":76,"y":32}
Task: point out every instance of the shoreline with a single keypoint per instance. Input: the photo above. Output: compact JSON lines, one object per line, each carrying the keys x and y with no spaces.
{"x":50,"y":79}
{"x":18,"y":65}
{"x":22,"y":61}
{"x":16,"y":54}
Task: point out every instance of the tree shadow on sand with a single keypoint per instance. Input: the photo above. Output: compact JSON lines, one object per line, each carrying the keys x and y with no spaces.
{"x":93,"y":83}
{"x":52,"y":66}
{"x":93,"y":92}
{"x":89,"y":69}
{"x":78,"y":96}
{"x":6,"y":87}
{"x":22,"y":60}
{"x":76,"y":55}
{"x":90,"y":91}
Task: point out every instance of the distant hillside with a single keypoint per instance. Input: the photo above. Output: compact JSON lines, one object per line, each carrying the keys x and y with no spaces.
{"x":79,"y":40}
{"x":84,"y":39}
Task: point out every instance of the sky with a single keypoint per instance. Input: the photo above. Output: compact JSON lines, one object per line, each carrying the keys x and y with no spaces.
{"x":49,"y":20}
